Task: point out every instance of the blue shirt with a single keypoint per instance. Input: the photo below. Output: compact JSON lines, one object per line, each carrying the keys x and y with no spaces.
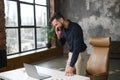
{"x":73,"y":35}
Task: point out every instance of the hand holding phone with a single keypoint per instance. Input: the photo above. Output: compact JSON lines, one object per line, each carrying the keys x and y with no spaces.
{"x":58,"y":31}
{"x":58,"y":28}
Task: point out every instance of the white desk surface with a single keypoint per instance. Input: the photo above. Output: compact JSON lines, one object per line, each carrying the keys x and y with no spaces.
{"x":20,"y":74}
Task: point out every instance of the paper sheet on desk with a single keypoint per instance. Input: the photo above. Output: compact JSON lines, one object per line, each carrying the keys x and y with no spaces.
{"x":75,"y":77}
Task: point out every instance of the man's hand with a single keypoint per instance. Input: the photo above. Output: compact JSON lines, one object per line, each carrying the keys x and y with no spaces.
{"x":69,"y":71}
{"x":58,"y":32}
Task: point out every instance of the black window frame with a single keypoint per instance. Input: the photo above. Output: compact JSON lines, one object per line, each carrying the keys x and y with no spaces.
{"x":35,"y":27}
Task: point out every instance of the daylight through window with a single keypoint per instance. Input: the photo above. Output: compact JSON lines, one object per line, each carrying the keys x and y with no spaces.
{"x":25,"y":22}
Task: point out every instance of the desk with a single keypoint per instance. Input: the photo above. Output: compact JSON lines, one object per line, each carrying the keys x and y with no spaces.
{"x":20,"y":74}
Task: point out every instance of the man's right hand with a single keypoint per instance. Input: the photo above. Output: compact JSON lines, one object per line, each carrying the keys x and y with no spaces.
{"x":58,"y":32}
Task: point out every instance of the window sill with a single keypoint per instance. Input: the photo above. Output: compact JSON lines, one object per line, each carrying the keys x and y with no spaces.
{"x":26,"y":53}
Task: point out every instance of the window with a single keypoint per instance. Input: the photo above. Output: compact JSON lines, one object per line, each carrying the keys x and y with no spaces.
{"x":25,"y":22}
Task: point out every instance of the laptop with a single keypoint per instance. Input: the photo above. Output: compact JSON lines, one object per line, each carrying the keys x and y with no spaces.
{"x":32,"y":72}
{"x":3,"y":78}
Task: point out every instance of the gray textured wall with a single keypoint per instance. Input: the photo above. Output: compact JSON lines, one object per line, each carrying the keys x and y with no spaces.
{"x":97,"y":17}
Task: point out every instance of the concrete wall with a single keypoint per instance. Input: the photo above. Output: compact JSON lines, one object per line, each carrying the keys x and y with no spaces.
{"x":97,"y":17}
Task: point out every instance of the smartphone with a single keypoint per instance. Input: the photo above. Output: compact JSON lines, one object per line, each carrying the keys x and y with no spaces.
{"x":59,"y":28}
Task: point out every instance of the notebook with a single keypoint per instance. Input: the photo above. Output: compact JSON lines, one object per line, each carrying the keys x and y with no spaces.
{"x":32,"y":72}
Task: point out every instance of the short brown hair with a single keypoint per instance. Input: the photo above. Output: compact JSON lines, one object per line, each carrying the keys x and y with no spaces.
{"x":56,"y":16}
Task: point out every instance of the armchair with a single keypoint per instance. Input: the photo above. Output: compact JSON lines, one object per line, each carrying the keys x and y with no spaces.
{"x":98,"y":62}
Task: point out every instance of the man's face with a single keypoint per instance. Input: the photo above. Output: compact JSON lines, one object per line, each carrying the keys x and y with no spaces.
{"x":57,"y":23}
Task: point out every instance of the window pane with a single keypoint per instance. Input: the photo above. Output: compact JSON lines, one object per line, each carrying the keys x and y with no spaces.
{"x":12,"y":41}
{"x":27,"y":16}
{"x":41,"y":16}
{"x":31,"y":1}
{"x":42,"y":2}
{"x":41,"y":37}
{"x":11,"y":16}
{"x":27,"y":39}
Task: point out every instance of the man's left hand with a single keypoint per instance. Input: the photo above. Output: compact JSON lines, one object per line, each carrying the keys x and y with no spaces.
{"x":69,"y":71}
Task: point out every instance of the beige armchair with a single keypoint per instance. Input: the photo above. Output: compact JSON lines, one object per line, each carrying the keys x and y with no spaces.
{"x":98,"y":62}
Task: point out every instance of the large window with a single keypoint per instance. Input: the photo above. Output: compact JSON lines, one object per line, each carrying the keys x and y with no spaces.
{"x":25,"y":22}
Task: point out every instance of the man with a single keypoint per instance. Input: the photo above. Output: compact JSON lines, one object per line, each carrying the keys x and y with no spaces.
{"x":71,"y":33}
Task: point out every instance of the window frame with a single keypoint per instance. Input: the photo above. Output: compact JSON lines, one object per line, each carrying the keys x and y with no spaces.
{"x":19,"y":27}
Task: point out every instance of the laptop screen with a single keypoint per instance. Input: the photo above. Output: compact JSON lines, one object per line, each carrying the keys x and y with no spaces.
{"x":32,"y":72}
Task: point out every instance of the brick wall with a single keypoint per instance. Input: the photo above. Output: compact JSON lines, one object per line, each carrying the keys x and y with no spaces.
{"x":2,"y":35}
